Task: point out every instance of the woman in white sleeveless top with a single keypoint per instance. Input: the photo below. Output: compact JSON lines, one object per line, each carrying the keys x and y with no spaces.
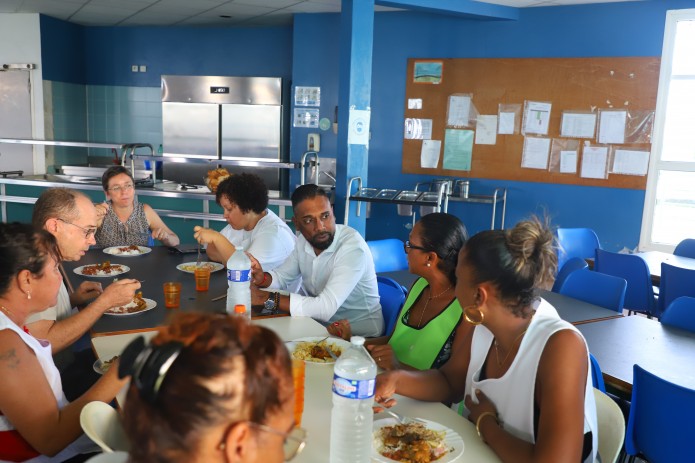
{"x":37,"y":423}
{"x":524,"y":372}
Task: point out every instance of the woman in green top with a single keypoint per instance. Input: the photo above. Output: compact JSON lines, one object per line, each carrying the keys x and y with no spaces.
{"x":425,"y":329}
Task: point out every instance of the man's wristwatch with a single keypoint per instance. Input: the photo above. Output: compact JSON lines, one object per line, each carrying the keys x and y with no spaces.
{"x":272,"y":304}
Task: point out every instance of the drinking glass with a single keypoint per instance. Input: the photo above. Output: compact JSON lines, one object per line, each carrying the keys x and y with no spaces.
{"x":202,"y":278}
{"x":298,"y":374}
{"x":172,"y":294}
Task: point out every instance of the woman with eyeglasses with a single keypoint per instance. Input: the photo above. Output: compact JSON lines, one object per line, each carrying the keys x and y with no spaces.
{"x":430,"y":319}
{"x":37,"y":423}
{"x":123,"y":220}
{"x":523,"y":372}
{"x":210,"y":388}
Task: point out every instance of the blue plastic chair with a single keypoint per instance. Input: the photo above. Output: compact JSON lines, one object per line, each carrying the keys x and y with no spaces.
{"x":639,"y":296}
{"x":661,"y":425}
{"x":680,"y":314}
{"x":675,"y":282}
{"x":576,"y":242}
{"x":685,"y":248}
{"x":573,"y":264}
{"x":388,"y":255}
{"x":596,"y":288}
{"x":596,"y":374}
{"x":391,"y":298}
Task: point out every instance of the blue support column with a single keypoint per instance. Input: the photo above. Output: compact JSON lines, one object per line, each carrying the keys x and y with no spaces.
{"x":355,"y":80}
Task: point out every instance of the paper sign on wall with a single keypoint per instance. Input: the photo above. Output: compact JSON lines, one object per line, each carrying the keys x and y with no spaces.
{"x":429,"y":155}
{"x":594,"y":162}
{"x":417,"y":129}
{"x":536,"y":117}
{"x":458,"y":149}
{"x":535,"y":155}
{"x":358,"y":129}
{"x":486,"y":130}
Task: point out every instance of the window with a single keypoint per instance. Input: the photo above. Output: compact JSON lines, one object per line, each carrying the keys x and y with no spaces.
{"x":669,"y":207}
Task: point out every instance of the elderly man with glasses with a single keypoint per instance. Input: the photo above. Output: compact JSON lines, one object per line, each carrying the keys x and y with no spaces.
{"x":71,"y":217}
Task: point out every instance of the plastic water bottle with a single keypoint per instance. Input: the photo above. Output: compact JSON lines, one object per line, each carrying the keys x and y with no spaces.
{"x":354,"y":378}
{"x":239,"y":281}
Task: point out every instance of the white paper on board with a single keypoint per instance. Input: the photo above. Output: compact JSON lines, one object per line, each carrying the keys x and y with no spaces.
{"x":594,"y":160}
{"x":537,"y":117}
{"x":535,"y":155}
{"x":612,"y":127}
{"x":568,"y":162}
{"x":459,"y":111}
{"x":429,"y":155}
{"x":578,"y":125}
{"x":486,"y":130}
{"x":414,"y":103}
{"x":506,"y":123}
{"x":631,"y":162}
{"x":417,"y":129}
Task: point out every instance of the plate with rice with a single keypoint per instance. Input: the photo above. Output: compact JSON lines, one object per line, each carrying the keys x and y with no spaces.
{"x":420,"y":441}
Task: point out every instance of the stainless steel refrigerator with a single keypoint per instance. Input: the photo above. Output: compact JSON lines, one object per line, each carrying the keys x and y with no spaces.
{"x":222,"y":117}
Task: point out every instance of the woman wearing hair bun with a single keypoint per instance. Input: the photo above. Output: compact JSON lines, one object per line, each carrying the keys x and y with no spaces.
{"x":524,"y":372}
{"x":210,"y":388}
{"x":430,"y":320}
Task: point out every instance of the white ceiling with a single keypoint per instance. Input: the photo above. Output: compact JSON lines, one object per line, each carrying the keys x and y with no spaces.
{"x":205,"y":12}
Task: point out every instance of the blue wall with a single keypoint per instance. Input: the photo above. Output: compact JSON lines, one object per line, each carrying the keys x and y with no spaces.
{"x":620,"y":29}
{"x":62,"y":51}
{"x":307,"y":53}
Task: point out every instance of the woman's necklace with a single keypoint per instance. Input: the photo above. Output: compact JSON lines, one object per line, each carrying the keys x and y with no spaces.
{"x":428,"y":301}
{"x":511,"y":349}
{"x":8,"y":312}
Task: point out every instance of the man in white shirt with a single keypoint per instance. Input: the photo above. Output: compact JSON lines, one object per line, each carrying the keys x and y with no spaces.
{"x":336,"y":267}
{"x":71,"y":217}
{"x":251,"y":225}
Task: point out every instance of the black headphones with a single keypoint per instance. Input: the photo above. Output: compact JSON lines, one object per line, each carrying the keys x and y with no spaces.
{"x":148,"y":365}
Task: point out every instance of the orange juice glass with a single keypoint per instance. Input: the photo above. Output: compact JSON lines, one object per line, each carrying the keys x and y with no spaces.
{"x":298,"y":374}
{"x":172,"y":294}
{"x":202,"y":278}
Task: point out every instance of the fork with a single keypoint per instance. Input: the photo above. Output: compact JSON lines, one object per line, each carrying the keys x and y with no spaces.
{"x":402,"y":419}
{"x":198,"y":262}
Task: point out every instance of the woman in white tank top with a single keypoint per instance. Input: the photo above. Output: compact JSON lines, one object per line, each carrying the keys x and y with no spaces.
{"x":524,"y":372}
{"x":37,"y":423}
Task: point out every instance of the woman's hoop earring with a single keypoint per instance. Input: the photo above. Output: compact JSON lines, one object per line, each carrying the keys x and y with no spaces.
{"x":473,"y":315}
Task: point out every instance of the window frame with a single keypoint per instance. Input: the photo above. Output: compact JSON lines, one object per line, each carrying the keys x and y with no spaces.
{"x":655,"y":163}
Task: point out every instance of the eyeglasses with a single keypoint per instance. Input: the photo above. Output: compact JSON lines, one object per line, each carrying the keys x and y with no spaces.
{"x":293,"y":444}
{"x":407,"y":246}
{"x":88,"y":232}
{"x":119,"y":188}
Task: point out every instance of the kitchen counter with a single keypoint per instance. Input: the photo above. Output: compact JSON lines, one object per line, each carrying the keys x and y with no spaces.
{"x":48,"y":181}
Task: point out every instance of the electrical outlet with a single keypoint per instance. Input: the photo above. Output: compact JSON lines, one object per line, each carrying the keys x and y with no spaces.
{"x":134,"y":68}
{"x":143,"y":68}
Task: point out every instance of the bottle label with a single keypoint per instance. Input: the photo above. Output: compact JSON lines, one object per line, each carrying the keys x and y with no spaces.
{"x":353,"y":388}
{"x":239,"y":276}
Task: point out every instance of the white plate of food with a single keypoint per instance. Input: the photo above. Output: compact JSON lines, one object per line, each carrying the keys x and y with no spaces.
{"x":312,"y":351}
{"x":394,"y":442}
{"x":137,"y":306}
{"x":102,"y":270}
{"x":102,"y":366}
{"x":127,"y":251}
{"x":189,"y":267}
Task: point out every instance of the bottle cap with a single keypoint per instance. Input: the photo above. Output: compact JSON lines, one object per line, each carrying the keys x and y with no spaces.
{"x":240,"y":308}
{"x":357,"y":340}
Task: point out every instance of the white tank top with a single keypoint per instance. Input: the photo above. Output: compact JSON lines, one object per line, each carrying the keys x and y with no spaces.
{"x":515,"y":414}
{"x":42,"y":350}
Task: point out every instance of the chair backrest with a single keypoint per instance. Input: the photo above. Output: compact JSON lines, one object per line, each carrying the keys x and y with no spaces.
{"x":596,"y":288}
{"x":639,"y":295}
{"x":611,"y":427}
{"x":388,"y":255}
{"x":675,"y":282}
{"x":685,"y":248}
{"x":391,"y":298}
{"x":680,"y":313}
{"x":572,"y":264}
{"x":576,"y":242}
{"x":101,"y":423}
{"x":596,"y":374}
{"x":660,"y":424}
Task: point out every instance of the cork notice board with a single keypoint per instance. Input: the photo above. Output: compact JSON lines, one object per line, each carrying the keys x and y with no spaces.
{"x":583,"y":84}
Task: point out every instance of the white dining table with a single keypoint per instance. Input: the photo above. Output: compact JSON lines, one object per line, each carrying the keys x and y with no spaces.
{"x":318,"y":395}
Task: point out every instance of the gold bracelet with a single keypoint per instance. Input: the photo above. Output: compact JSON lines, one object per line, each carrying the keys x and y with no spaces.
{"x":480,"y":418}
